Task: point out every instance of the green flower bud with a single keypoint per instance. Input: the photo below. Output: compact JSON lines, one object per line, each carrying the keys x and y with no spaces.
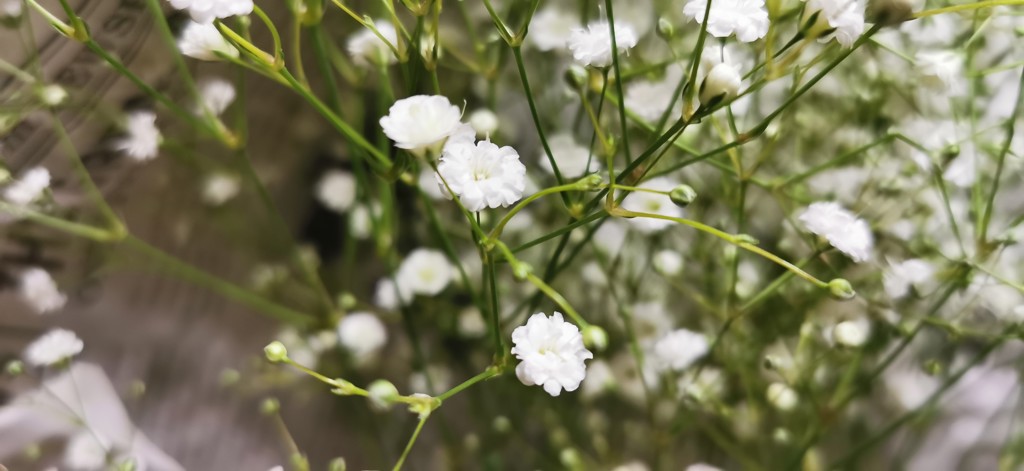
{"x":337,"y":464}
{"x":576,"y":77}
{"x":841,"y":289}
{"x":382,"y":394}
{"x":269,"y":406}
{"x":590,"y":182}
{"x":521,"y":270}
{"x":665,"y":29}
{"x":682,"y":195}
{"x":347,"y":300}
{"x":501,"y":424}
{"x":14,"y":367}
{"x":595,"y":337}
{"x":276,"y":352}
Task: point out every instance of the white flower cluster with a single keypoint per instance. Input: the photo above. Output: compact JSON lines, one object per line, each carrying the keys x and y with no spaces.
{"x":844,"y":230}
{"x":551,"y":353}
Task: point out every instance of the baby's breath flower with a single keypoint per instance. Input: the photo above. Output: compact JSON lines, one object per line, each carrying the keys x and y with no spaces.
{"x":336,"y":190}
{"x":550,"y":29}
{"x":941,"y":70}
{"x":679,"y":349}
{"x":216,"y":95}
{"x":219,"y":188}
{"x":551,"y":352}
{"x":782,"y":397}
{"x":53,"y":347}
{"x":902,"y":275}
{"x":668,"y":262}
{"x":387,"y":295}
{"x":484,"y":122}
{"x":27,"y":189}
{"x":571,"y":158}
{"x":845,"y":231}
{"x":203,"y":41}
{"x":425,"y":272}
{"x":654,"y":203}
{"x":593,"y":45}
{"x":747,"y":19}
{"x":482,"y":175}
{"x":40,"y":291}
{"x":722,"y":83}
{"x":421,"y":123}
{"x":851,"y":333}
{"x":86,"y":450}
{"x":205,"y":11}
{"x":366,"y":47}
{"x":840,"y":19}
{"x":361,"y":333}
{"x":143,"y":138}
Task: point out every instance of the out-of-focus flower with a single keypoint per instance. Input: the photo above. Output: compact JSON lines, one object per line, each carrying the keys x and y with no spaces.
{"x":668,"y":262}
{"x":902,"y":275}
{"x":782,"y":397}
{"x":593,"y":45}
{"x":40,"y":291}
{"x":484,"y":122}
{"x":649,"y":100}
{"x":839,"y":19}
{"x":845,"y":231}
{"x":425,"y":272}
{"x":942,"y":70}
{"x":550,"y":29}
{"x":852,"y":333}
{"x":421,"y":123}
{"x":677,"y":350}
{"x":599,"y":379}
{"x":361,"y":333}
{"x":86,"y":452}
{"x":142,"y":139}
{"x":747,"y":19}
{"x":360,"y":219}
{"x":551,"y":353}
{"x":482,"y":175}
{"x":216,"y":95}
{"x":366,"y":47}
{"x":53,"y":347}
{"x":722,"y":83}
{"x":653,"y":203}
{"x":29,"y":187}
{"x":219,"y":188}
{"x":336,"y":190}
{"x":205,"y":11}
{"x":702,"y":467}
{"x":571,"y":157}
{"x":14,"y":8}
{"x":203,"y":41}
{"x":388,"y":295}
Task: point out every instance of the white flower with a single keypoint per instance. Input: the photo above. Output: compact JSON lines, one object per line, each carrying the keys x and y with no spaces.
{"x":593,"y":45}
{"x":484,"y":122}
{"x":678,"y":349}
{"x":360,"y":220}
{"x":845,"y":231}
{"x":29,"y":187}
{"x":482,"y":175}
{"x":421,"y":122}
{"x":782,"y":397}
{"x":747,"y":19}
{"x":361,"y":333}
{"x":205,"y":11}
{"x":702,"y":467}
{"x":571,"y":157}
{"x":389,"y":296}
{"x":722,"y":83}
{"x":902,"y":275}
{"x":851,"y":333}
{"x":143,"y":138}
{"x":86,"y":452}
{"x":471,"y":323}
{"x":219,"y":188}
{"x":653,"y":203}
{"x":40,"y":291}
{"x":336,"y":190}
{"x":53,"y":347}
{"x":550,"y":29}
{"x":216,"y":95}
{"x":204,"y":42}
{"x":366,"y":47}
{"x":940,"y":69}
{"x":427,"y":182}
{"x":11,"y":8}
{"x":425,"y":272}
{"x":843,"y":18}
{"x":650,"y":99}
{"x":551,"y":353}
{"x":599,"y":379}
{"x":668,"y":262}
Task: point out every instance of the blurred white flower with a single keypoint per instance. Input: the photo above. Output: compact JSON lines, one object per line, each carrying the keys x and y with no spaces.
{"x":668,"y":262}
{"x":702,"y":467}
{"x":425,"y":272}
{"x":677,"y":350}
{"x":53,"y":347}
{"x":421,"y":123}
{"x":85,"y":452}
{"x":650,"y":99}
{"x":205,"y":11}
{"x":653,"y":203}
{"x":142,"y":140}
{"x":963,"y":170}
{"x":941,"y":70}
{"x":366,"y":47}
{"x":852,"y":333}
{"x":484,"y":122}
{"x":722,"y":83}
{"x":216,"y":95}
{"x":551,"y":353}
{"x":482,"y":175}
{"x":471,"y":323}
{"x":902,"y":275}
{"x":40,"y":291}
{"x":841,"y":19}
{"x":361,"y":333}
{"x":336,"y":190}
{"x":599,"y":380}
{"x":845,"y":231}
{"x":360,"y":219}
{"x":204,"y":42}
{"x":389,"y":296}
{"x":747,"y":19}
{"x":219,"y":188}
{"x":782,"y":397}
{"x":571,"y":158}
{"x":29,"y":187}
{"x":550,"y":29}
{"x":593,"y":45}
{"x":12,"y":8}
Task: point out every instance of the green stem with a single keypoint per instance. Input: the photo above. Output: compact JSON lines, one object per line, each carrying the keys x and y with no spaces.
{"x":487,"y":374}
{"x":412,"y":441}
{"x":517,"y":52}
{"x":496,"y":232}
{"x":967,"y":7}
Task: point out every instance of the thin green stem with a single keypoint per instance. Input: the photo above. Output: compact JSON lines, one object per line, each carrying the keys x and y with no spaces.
{"x":487,"y":374}
{"x":412,"y":441}
{"x":967,"y":7}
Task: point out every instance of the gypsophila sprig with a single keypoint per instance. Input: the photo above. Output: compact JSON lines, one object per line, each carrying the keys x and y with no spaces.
{"x":205,"y":11}
{"x":551,"y":353}
{"x":746,"y":19}
{"x":593,"y":45}
{"x":421,"y":123}
{"x":482,"y":175}
{"x":844,"y":230}
{"x":53,"y":347}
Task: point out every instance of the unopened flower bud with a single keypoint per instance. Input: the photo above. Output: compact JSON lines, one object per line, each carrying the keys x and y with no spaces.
{"x":849,"y":333}
{"x":423,"y":405}
{"x":276,"y":352}
{"x":484,"y":122}
{"x":596,"y":337}
{"x":782,"y":397}
{"x":269,"y":406}
{"x":344,"y":388}
{"x":337,"y":464}
{"x":722,"y":83}
{"x":890,"y":12}
{"x":382,"y":394}
{"x":501,"y":424}
{"x":14,"y":367}
{"x":682,"y":195}
{"x":52,"y":95}
{"x":841,"y":289}
{"x":347,"y":300}
{"x":665,"y":29}
{"x":590,"y":182}
{"x":570,"y":458}
{"x":576,"y":77}
{"x":521,"y":270}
